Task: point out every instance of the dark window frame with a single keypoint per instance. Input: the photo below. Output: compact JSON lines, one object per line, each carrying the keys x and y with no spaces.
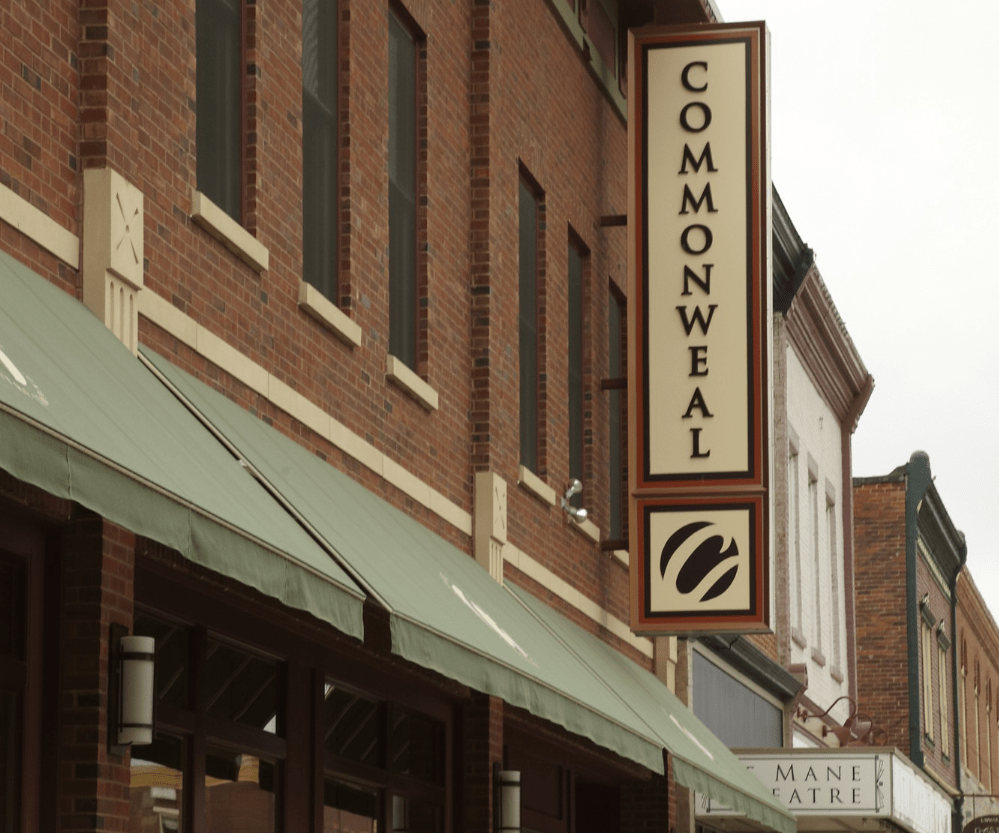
{"x":617,"y":424}
{"x":308,"y":662}
{"x":217,"y":173}
{"x":321,"y":149}
{"x":579,"y":415}
{"x":532,"y":301}
{"x":408,"y":283}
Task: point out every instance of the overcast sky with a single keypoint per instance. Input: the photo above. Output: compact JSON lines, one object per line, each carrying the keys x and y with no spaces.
{"x":885,"y":151}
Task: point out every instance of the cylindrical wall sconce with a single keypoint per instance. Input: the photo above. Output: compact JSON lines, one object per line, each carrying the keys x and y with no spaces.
{"x":508,"y":788}
{"x":130,"y":719}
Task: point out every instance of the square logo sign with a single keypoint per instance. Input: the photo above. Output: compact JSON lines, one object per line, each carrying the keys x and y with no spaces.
{"x":702,"y":559}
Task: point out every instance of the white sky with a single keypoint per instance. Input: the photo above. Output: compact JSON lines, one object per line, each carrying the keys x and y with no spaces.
{"x":884,"y":149}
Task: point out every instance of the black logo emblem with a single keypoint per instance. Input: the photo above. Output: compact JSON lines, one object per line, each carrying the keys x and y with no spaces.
{"x":705,"y":556}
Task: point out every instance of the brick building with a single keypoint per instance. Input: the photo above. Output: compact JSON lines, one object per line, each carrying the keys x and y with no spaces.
{"x":307,"y":312}
{"x":909,"y":557}
{"x":978,"y":710}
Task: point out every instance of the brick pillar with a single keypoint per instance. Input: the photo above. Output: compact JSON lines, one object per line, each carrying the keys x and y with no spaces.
{"x":97,"y":574}
{"x":645,"y":806}
{"x":482,"y":746}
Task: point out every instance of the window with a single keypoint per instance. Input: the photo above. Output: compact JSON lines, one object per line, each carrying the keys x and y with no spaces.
{"x":794,"y":542}
{"x":399,"y":757}
{"x":836,"y":600}
{"x":320,"y":140}
{"x":618,"y":440}
{"x":577,"y":261}
{"x":988,"y":735}
{"x":404,"y":86}
{"x":530,"y":253}
{"x":223,"y":700}
{"x":943,"y":644}
{"x":927,"y":675}
{"x":962,"y":715}
{"x":220,"y":111}
{"x":817,"y":587}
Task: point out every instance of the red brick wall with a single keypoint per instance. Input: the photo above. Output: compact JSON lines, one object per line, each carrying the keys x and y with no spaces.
{"x":978,"y":644}
{"x":879,"y":581}
{"x":97,"y":567}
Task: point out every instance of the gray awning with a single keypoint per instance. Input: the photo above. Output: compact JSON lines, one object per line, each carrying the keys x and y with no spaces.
{"x":81,"y":418}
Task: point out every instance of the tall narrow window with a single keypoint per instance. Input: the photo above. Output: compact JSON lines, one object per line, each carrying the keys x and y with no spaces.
{"x":402,"y":161}
{"x":988,"y":735}
{"x":836,"y":599}
{"x":528,"y":247}
{"x":320,"y":227}
{"x":618,"y":440}
{"x":220,"y":111}
{"x":927,"y":677}
{"x":794,"y":542}
{"x":817,"y":588}
{"x":576,"y":268}
{"x":942,"y":646}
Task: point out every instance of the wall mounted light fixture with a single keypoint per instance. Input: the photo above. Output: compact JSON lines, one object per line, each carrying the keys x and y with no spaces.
{"x":130,"y":713}
{"x":577,"y":513}
{"x":507,"y":785}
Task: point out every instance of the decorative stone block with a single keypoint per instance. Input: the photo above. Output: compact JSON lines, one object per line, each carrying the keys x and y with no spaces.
{"x":113,"y":251}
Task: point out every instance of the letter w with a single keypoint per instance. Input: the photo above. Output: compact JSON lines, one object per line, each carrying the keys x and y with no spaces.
{"x":698,"y":318}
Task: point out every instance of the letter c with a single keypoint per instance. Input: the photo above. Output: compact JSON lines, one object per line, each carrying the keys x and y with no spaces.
{"x":685,"y":77}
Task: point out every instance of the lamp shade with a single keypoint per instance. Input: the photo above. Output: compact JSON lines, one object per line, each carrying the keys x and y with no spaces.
{"x":135,"y":723}
{"x":509,"y":800}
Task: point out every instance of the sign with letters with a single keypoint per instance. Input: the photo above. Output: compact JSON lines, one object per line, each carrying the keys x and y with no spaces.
{"x":699,"y":329}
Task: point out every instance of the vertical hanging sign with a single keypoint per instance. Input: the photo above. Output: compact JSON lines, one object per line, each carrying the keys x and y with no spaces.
{"x":699,"y":329}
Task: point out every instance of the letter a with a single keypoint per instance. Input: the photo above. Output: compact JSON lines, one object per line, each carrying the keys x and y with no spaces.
{"x":697,"y":401}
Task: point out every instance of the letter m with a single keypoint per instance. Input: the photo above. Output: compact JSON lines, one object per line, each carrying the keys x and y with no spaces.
{"x":688,"y":200}
{"x":688,"y":156}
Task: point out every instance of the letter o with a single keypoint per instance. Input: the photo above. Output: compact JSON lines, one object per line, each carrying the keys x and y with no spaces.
{"x":705,"y":112}
{"x":685,"y":239}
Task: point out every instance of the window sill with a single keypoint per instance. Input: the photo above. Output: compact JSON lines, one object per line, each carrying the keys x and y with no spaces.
{"x":836,"y":674}
{"x":397,"y":371}
{"x":536,"y":486}
{"x":799,"y":638}
{"x":818,"y":657}
{"x":317,"y":305}
{"x":228,"y":232}
{"x":587,"y":529}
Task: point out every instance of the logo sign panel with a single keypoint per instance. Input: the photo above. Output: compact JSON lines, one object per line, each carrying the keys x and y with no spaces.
{"x":699,"y":328}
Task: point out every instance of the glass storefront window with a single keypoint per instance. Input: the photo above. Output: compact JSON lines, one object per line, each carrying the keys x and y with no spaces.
{"x":348,"y":809}
{"x":241,"y":687}
{"x":240,"y":793}
{"x":417,"y":745}
{"x":156,"y":790}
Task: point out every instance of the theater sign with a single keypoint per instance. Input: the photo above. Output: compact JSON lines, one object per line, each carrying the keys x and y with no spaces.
{"x":699,"y":329}
{"x":851,"y":789}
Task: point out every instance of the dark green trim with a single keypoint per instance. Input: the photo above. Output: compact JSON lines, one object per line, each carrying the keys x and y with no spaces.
{"x":917,"y":481}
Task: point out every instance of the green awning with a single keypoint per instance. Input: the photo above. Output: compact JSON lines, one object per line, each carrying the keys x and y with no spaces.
{"x":83,"y":419}
{"x":700,"y":760}
{"x":446,"y":613}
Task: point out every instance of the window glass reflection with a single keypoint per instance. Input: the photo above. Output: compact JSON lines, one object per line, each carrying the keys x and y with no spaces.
{"x":411,"y":816}
{"x":352,"y":727}
{"x":240,"y":793}
{"x":347,"y":809}
{"x":156,"y":789}
{"x":241,"y":687}
{"x":417,"y":746}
